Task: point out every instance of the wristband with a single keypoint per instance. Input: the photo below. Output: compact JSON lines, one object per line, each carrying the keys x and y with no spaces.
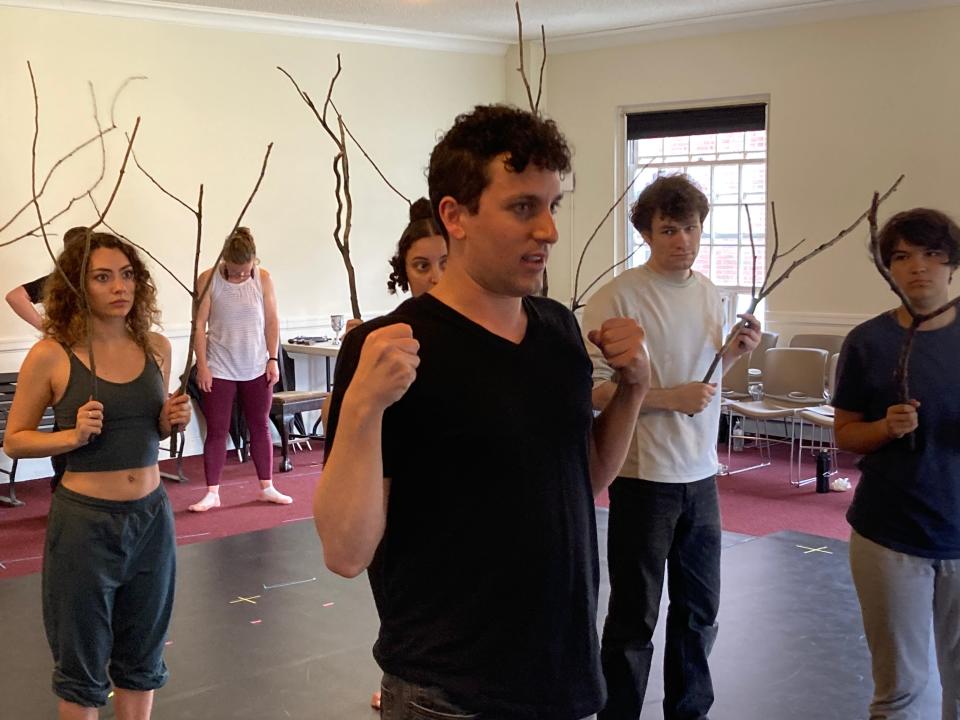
{"x":277,"y":361}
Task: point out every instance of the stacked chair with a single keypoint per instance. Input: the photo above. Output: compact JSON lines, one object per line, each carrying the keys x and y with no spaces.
{"x":793,"y":380}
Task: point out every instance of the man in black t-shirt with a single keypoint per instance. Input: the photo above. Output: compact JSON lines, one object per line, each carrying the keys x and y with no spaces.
{"x":463,"y":456}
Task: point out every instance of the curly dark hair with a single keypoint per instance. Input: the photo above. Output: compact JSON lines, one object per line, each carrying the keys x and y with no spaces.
{"x":65,"y":320}
{"x":922,"y":227}
{"x":422,"y":224}
{"x":675,"y":196}
{"x":458,"y":163}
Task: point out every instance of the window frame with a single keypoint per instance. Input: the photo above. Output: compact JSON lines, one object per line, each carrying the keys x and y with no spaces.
{"x":623,"y":229}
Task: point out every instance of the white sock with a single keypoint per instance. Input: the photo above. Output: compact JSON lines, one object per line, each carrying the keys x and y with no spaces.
{"x":210,"y":500}
{"x":271,"y":494}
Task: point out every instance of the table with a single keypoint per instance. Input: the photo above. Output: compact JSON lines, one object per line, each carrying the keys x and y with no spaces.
{"x":309,"y":355}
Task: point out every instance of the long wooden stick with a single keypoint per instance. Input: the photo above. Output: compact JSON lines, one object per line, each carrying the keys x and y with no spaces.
{"x":341,"y":172}
{"x":770,"y":283}
{"x":101,"y":133}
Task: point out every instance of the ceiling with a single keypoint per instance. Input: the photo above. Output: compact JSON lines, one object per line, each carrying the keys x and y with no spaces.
{"x":494,"y":20}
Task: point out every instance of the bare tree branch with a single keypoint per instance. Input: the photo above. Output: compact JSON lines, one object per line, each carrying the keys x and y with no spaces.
{"x":578,"y":302}
{"x":543,"y":64}
{"x":341,"y":172}
{"x":367,"y":156}
{"x":116,"y":96}
{"x":139,"y":247}
{"x":123,"y":169}
{"x":326,"y":103}
{"x":160,"y":187}
{"x":101,"y":132}
{"x":523,"y":74}
{"x":753,"y":252}
{"x":33,"y":181}
{"x":770,"y":284}
{"x":578,"y":297}
{"x":776,"y":240}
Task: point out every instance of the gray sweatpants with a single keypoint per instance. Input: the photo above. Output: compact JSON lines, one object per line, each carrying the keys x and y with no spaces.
{"x":899,"y":597}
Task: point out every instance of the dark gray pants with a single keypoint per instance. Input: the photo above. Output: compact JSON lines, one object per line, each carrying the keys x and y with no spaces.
{"x":900,"y":597}
{"x":108,"y":582}
{"x":402,"y":700}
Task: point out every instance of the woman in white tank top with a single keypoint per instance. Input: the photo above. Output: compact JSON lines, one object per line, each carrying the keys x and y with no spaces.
{"x":237,"y":357}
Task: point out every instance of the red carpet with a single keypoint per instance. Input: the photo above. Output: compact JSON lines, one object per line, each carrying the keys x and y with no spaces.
{"x":22,"y":528}
{"x":762,"y":501}
{"x":756,"y":502}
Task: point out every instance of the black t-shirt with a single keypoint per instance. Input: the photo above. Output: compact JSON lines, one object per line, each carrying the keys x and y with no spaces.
{"x":487,"y":575}
{"x":34,"y":289}
{"x":908,"y":499}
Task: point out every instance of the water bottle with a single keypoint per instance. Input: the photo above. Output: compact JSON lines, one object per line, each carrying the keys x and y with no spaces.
{"x":823,"y":471}
{"x":736,"y":435}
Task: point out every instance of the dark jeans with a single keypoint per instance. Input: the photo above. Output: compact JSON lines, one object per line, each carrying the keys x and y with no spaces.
{"x":402,"y":700}
{"x":654,"y":524}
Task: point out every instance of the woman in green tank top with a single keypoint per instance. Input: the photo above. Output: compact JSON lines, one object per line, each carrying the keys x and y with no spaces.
{"x":109,"y":559}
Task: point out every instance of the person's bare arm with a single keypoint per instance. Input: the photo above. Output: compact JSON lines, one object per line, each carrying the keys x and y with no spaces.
{"x":271,"y":323}
{"x":204,"y":379}
{"x":350,"y":502}
{"x":621,"y":342}
{"x":176,"y":408}
{"x":34,"y":395}
{"x":689,"y":398}
{"x":19,"y":302}
{"x":853,"y":434}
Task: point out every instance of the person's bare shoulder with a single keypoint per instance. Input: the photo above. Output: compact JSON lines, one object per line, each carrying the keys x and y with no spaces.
{"x":159,"y":342}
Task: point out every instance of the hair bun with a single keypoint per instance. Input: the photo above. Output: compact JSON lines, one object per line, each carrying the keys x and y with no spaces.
{"x":421,"y":210}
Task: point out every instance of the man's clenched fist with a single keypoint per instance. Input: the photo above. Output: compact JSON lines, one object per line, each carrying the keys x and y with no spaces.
{"x":621,"y":342}
{"x":387,"y":367}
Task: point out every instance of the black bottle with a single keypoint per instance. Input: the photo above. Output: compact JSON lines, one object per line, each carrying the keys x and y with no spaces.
{"x":823,"y":471}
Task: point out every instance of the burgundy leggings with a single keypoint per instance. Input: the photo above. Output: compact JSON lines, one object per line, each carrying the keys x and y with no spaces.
{"x":255,"y":398}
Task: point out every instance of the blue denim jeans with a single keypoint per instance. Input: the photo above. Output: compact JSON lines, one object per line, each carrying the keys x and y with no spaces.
{"x":402,"y":700}
{"x":653,"y":525}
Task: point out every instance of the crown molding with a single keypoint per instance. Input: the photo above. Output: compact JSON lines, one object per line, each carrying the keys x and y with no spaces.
{"x":800,"y":13}
{"x":248,"y":21}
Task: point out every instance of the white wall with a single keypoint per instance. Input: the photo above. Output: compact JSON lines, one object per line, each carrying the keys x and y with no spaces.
{"x":211,"y":104}
{"x":853,"y":104}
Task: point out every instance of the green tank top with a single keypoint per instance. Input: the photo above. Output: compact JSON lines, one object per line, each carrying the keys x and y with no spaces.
{"x":131,"y":411}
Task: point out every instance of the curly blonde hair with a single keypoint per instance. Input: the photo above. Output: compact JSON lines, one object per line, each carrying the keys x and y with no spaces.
{"x":65,"y":318}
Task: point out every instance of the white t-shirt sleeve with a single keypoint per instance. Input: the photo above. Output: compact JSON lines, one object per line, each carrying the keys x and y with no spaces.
{"x":601,"y":307}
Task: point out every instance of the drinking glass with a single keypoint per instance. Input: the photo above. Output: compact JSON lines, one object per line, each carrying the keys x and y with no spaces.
{"x":336,"y":322}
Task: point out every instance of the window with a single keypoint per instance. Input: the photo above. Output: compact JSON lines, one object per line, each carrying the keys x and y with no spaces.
{"x":724,"y":151}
